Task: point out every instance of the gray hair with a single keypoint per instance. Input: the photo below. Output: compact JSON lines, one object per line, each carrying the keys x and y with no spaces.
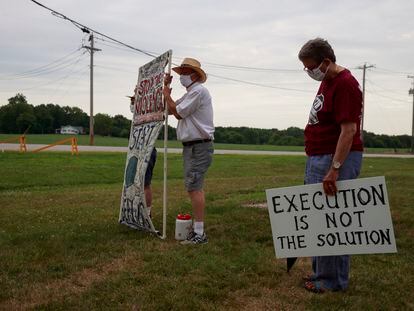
{"x":317,"y":49}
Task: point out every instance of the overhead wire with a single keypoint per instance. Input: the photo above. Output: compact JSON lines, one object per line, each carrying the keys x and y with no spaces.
{"x":53,"y":81}
{"x":55,"y":69}
{"x":381,"y":87}
{"x":113,"y":42}
{"x":87,"y":29}
{"x":388,"y":97}
{"x":389,"y":71}
{"x":259,"y":84}
{"x":115,"y":69}
{"x":231,"y":67}
{"x":44,"y":69}
{"x":79,"y":74}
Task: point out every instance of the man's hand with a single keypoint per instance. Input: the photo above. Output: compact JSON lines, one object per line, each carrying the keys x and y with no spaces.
{"x":329,"y":182}
{"x":167,"y":79}
{"x":348,"y":130}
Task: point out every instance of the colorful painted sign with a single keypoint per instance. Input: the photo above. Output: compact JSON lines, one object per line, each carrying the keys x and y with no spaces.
{"x":146,"y":124}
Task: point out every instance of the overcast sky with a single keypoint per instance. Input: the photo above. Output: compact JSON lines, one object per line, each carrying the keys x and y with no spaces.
{"x":256,"y":34}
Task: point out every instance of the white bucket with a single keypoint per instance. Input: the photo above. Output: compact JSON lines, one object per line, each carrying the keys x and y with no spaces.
{"x":183,"y":226}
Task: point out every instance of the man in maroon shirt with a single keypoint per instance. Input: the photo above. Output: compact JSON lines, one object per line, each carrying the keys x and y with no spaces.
{"x":332,"y":143}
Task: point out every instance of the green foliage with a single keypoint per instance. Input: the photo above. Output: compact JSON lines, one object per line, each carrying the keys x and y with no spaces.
{"x":18,"y":115}
{"x":103,"y":124}
{"x":292,"y":136}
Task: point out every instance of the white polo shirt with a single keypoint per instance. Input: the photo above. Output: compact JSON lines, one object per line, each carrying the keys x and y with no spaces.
{"x":196,"y":110}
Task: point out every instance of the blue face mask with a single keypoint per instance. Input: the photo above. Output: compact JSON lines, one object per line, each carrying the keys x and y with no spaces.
{"x":186,"y":80}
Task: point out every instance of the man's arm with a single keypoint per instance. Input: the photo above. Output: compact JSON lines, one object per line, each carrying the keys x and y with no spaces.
{"x":343,"y":147}
{"x":172,"y":107}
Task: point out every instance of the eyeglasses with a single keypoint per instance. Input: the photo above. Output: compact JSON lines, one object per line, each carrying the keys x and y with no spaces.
{"x":311,"y":70}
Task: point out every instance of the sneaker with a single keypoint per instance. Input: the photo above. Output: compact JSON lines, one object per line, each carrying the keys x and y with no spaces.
{"x":194,"y":238}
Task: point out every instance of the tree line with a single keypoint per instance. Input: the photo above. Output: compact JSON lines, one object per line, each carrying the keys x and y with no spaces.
{"x":18,"y":115}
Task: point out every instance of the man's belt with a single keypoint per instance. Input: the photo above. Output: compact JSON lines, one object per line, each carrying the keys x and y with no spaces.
{"x":193,"y":142}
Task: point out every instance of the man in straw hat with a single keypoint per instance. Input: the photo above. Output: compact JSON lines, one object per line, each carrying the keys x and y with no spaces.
{"x":195,"y":130}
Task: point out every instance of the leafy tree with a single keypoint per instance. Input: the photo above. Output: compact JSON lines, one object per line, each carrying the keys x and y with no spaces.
{"x":103,"y":124}
{"x":274,"y":139}
{"x":25,"y":121}
{"x":58,"y":115}
{"x":235,"y":137}
{"x":44,"y":120}
{"x":17,"y":115}
{"x":121,"y":126}
{"x":75,"y":116}
{"x":172,"y":134}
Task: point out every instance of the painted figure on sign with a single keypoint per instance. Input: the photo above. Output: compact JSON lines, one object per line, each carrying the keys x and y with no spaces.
{"x":150,"y":168}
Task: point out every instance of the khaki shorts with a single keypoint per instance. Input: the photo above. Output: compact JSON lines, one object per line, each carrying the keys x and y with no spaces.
{"x":197,"y":159}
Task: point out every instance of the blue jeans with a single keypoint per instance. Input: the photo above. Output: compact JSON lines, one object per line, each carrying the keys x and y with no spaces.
{"x":332,"y":271}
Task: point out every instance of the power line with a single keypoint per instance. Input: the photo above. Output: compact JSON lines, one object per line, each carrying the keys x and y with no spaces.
{"x":259,"y":84}
{"x":117,"y":47}
{"x":392,"y":71}
{"x":116,"y":69}
{"x":87,"y":29}
{"x":388,"y":97}
{"x":411,"y":92}
{"x":56,"y":65}
{"x":114,"y":41}
{"x":223,"y":66}
{"x":63,"y":92}
{"x":383,"y":88}
{"x":53,"y":81}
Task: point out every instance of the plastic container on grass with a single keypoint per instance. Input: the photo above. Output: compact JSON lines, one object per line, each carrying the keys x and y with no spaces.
{"x":183,"y":226}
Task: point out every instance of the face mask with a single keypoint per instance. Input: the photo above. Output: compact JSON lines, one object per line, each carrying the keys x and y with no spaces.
{"x":317,"y":74}
{"x":186,"y":80}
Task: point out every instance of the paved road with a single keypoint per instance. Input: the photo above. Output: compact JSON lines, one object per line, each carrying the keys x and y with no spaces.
{"x":30,"y":147}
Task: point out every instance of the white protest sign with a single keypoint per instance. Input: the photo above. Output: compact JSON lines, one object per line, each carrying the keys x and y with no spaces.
{"x":306,"y":222}
{"x":146,"y":124}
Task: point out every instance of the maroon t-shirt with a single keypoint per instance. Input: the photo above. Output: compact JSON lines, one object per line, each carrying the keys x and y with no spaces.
{"x":339,"y":100}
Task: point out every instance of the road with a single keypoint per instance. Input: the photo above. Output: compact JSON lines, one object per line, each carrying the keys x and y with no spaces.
{"x":30,"y":147}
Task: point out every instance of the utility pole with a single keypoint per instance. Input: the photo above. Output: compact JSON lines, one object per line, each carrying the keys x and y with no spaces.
{"x":364,"y":68}
{"x":411,"y":92}
{"x":91,"y":51}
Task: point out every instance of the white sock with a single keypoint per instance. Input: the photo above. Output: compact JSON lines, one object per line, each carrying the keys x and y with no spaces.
{"x":199,"y":227}
{"x":149,"y":210}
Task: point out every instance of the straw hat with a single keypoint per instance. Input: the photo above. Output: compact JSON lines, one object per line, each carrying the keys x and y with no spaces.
{"x":193,"y":64}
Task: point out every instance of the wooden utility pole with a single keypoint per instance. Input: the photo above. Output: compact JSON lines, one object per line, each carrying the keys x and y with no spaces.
{"x":91,"y":51}
{"x":364,"y":68}
{"x":411,"y":92}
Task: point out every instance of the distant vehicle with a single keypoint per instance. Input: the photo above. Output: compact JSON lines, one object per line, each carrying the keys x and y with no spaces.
{"x":69,"y":129}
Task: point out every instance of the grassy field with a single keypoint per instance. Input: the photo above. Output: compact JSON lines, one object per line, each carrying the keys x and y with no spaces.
{"x":120,"y":142}
{"x":61,"y":247}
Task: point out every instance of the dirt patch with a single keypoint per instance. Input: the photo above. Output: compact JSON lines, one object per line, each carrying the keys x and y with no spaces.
{"x":287,"y":294}
{"x":256,"y":205}
{"x":75,"y":284}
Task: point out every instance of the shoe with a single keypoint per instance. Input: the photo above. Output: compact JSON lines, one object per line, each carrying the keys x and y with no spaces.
{"x":194,"y":238}
{"x":315,"y":287}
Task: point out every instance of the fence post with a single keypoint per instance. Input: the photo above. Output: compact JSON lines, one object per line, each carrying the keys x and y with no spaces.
{"x":22,"y":140}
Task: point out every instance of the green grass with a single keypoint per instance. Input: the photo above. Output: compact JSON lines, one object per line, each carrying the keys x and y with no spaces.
{"x":62,"y":248}
{"x":121,"y":142}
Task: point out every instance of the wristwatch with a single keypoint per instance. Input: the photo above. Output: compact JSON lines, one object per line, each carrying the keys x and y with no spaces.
{"x":336,"y":165}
